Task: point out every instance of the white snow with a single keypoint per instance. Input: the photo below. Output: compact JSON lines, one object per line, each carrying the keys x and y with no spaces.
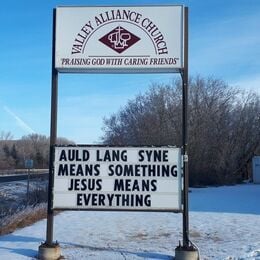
{"x":224,"y":224}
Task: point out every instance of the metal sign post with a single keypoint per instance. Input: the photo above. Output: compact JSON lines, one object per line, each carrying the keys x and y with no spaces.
{"x":28,"y":163}
{"x":49,"y":249}
{"x":186,"y":251}
{"x":184,"y":135}
{"x":53,"y":139}
{"x":28,"y":186}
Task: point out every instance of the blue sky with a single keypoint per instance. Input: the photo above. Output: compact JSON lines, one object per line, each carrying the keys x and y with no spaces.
{"x":224,"y":43}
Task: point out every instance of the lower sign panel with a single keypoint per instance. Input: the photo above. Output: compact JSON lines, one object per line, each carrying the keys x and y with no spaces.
{"x":117,"y":178}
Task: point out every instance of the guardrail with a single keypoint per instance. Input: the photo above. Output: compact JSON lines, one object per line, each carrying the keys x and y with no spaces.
{"x":23,"y":176}
{"x":21,"y":171}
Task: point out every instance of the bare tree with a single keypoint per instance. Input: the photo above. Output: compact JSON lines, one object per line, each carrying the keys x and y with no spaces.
{"x":224,"y":127}
{"x":4,"y":136}
{"x":13,"y":153}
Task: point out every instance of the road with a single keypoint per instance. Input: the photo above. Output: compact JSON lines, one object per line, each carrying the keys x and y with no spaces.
{"x":23,"y":176}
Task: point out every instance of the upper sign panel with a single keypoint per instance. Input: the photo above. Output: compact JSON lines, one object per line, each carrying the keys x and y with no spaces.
{"x":113,"y":39}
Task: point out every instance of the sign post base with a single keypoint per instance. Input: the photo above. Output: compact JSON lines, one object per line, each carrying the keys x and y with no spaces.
{"x":184,"y":253}
{"x":49,"y":252}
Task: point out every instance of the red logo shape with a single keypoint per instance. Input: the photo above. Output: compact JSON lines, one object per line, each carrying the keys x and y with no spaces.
{"x":119,"y":39}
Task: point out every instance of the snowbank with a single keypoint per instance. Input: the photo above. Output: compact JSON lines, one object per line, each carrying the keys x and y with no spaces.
{"x":224,"y":223}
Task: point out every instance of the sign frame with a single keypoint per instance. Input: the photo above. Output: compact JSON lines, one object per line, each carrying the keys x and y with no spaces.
{"x":129,"y":149}
{"x":53,"y":136}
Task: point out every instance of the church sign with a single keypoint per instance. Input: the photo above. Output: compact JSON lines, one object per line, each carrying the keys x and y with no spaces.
{"x":127,"y":39}
{"x":117,"y":178}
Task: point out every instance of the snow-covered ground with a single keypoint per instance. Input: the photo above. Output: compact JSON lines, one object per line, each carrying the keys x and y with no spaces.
{"x":224,"y":224}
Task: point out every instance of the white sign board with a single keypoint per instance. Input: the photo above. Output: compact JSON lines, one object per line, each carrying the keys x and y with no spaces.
{"x":117,"y":178}
{"x":130,"y":39}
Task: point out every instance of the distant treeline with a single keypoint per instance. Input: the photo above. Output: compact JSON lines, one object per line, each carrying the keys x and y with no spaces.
{"x":223,"y":130}
{"x":13,"y":153}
